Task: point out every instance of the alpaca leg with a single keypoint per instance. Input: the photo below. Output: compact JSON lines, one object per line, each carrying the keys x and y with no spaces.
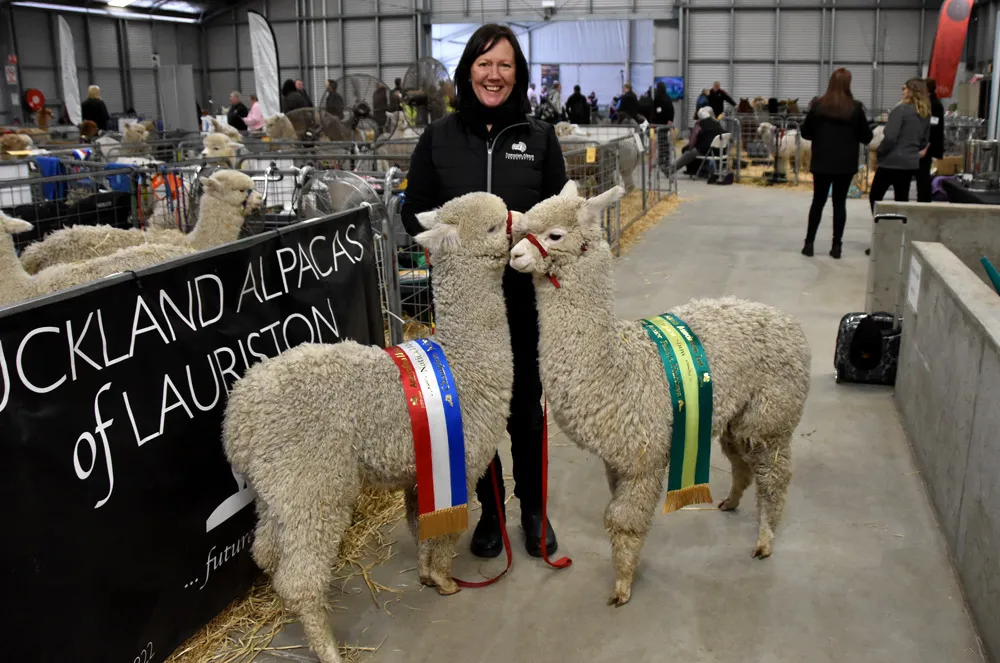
{"x":424,"y":548}
{"x":265,"y":541}
{"x":442,"y":551}
{"x":742,"y":476}
{"x":627,"y":519}
{"x":612,"y":478}
{"x":771,"y":465}
{"x":309,"y":549}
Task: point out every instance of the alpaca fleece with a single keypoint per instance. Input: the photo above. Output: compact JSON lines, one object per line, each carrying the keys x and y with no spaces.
{"x":608,"y":391}
{"x":786,"y":147}
{"x":18,"y":285}
{"x":220,"y":218}
{"x":220,"y":146}
{"x":308,"y":426}
{"x":279,"y":127}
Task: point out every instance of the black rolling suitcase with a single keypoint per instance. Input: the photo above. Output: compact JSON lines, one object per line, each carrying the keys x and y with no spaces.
{"x":867,"y":349}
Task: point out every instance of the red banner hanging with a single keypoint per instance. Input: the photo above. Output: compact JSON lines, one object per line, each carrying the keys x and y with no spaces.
{"x":948,"y":44}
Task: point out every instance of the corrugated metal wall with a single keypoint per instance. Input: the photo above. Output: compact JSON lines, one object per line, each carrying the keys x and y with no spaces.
{"x":113,"y":54}
{"x":787,"y":49}
{"x":317,"y":40}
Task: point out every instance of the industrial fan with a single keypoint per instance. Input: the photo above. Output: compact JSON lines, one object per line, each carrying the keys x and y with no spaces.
{"x":332,"y":191}
{"x":366,"y":104}
{"x":429,"y":90}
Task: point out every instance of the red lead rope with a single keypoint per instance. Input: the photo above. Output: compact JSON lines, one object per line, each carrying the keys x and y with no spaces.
{"x":562,"y":562}
{"x":545,"y":254}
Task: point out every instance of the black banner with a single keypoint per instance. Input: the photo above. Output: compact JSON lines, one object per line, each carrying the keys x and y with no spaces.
{"x":127,"y":529}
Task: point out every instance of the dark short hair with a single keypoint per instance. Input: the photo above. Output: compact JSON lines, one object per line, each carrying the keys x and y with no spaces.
{"x":576,"y":88}
{"x":931,"y":85}
{"x":481,"y":41}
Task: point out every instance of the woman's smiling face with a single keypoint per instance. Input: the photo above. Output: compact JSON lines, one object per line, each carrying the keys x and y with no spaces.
{"x":493,"y":74}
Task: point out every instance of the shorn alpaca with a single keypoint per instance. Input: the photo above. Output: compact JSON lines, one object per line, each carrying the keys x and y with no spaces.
{"x":16,"y":285}
{"x":229,"y":196}
{"x":787,"y":143}
{"x":607,"y":388}
{"x":308,"y":426}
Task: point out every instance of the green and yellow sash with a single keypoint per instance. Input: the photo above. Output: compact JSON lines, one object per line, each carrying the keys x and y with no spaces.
{"x":690,"y":383}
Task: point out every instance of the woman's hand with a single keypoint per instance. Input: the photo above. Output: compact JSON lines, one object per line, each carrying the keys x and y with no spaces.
{"x":923,"y":152}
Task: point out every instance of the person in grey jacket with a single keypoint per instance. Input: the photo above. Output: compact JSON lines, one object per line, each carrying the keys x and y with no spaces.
{"x":907,"y":137}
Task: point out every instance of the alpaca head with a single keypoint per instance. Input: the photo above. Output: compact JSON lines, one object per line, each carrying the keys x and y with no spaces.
{"x":279,"y":127}
{"x":233,"y":188}
{"x":219,"y":146}
{"x":15,"y":142}
{"x":42,"y":118}
{"x":13,"y":226}
{"x":134,"y":133}
{"x":765,"y":129}
{"x":88,"y":129}
{"x":473,"y":225}
{"x":744,"y":106}
{"x":559,"y":230}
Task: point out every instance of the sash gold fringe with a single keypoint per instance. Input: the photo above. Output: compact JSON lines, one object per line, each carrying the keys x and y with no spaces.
{"x":678,"y":499}
{"x":442,"y":522}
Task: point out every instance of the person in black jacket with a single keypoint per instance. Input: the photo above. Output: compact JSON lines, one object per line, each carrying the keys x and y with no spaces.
{"x":836,"y":124}
{"x":577,"y":107}
{"x":490,"y":144}
{"x":936,"y":148}
{"x":699,"y":143}
{"x":291,"y":98}
{"x":237,"y":111}
{"x":94,"y":109}
{"x":334,"y":103}
{"x":628,"y":104}
{"x":717,"y":98}
{"x":663,"y":106}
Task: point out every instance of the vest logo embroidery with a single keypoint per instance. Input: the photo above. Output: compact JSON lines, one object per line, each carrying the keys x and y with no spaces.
{"x":519,"y":147}
{"x":520,"y":152}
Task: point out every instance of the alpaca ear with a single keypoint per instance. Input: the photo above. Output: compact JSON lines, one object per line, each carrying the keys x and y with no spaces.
{"x":441,"y":236}
{"x":606,"y":199}
{"x":428,"y":220}
{"x":13,"y":225}
{"x":208,"y":183}
{"x":570,"y":190}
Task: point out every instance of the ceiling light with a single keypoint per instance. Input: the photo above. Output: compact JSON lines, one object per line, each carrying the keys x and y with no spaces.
{"x":120,"y":3}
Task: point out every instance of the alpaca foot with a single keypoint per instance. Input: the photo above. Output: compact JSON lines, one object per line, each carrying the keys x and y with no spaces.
{"x":621,"y":596}
{"x":446,"y":586}
{"x":763,"y":548}
{"x":728,"y":504}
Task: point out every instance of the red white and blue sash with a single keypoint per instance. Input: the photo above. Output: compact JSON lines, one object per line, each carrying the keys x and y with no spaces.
{"x":438,"y":440}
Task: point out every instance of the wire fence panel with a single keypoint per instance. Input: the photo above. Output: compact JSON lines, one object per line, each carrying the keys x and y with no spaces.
{"x":51,"y":203}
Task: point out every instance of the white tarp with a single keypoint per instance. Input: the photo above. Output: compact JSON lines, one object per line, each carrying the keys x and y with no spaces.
{"x":67,"y":69}
{"x":265,"y":64}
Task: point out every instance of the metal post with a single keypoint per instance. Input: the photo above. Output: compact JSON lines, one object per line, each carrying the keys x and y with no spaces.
{"x":995,"y":84}
{"x":378,"y":44}
{"x":300,"y":35}
{"x":833,"y":34}
{"x":54,"y":43}
{"x":236,"y":40}
{"x":875,"y":89}
{"x":86,"y":41}
{"x":920,"y":40}
{"x":123,"y":60}
{"x":822,"y":34}
{"x":12,"y":35}
{"x":777,"y":50}
{"x":732,"y":45}
{"x":343,"y":55}
{"x":326,"y":44}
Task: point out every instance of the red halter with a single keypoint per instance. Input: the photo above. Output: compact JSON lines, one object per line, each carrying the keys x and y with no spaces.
{"x":545,"y":254}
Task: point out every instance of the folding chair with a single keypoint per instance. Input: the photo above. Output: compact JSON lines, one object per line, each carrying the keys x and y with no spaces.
{"x":718,"y":156}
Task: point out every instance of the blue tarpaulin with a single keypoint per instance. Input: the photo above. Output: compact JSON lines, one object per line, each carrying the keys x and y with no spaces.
{"x":52,"y":167}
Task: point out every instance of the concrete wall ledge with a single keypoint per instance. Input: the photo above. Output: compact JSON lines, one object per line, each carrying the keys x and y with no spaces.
{"x":947,"y":393}
{"x":968,"y":231}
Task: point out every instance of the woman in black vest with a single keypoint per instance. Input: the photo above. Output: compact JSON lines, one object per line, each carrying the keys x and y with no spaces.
{"x":836,"y":124}
{"x":490,"y":144}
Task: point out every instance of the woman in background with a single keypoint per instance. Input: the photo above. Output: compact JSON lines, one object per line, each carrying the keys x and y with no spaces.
{"x":836,"y":124}
{"x":907,"y":137}
{"x":255,"y":118}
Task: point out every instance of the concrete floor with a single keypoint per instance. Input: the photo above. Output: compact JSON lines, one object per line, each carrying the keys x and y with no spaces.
{"x":859,"y":571}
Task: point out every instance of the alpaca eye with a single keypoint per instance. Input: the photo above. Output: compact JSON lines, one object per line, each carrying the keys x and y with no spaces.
{"x":493,"y":229}
{"x":555,"y":237}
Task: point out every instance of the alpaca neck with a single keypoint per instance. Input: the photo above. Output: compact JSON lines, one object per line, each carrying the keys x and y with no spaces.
{"x":218,"y":223}
{"x":471,"y":327}
{"x":17,"y":283}
{"x":577,"y":324}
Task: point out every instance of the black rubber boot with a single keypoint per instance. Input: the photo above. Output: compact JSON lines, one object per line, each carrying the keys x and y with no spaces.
{"x":487,"y":541}
{"x":807,"y":249}
{"x":531,"y":522}
{"x":835,"y":250}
